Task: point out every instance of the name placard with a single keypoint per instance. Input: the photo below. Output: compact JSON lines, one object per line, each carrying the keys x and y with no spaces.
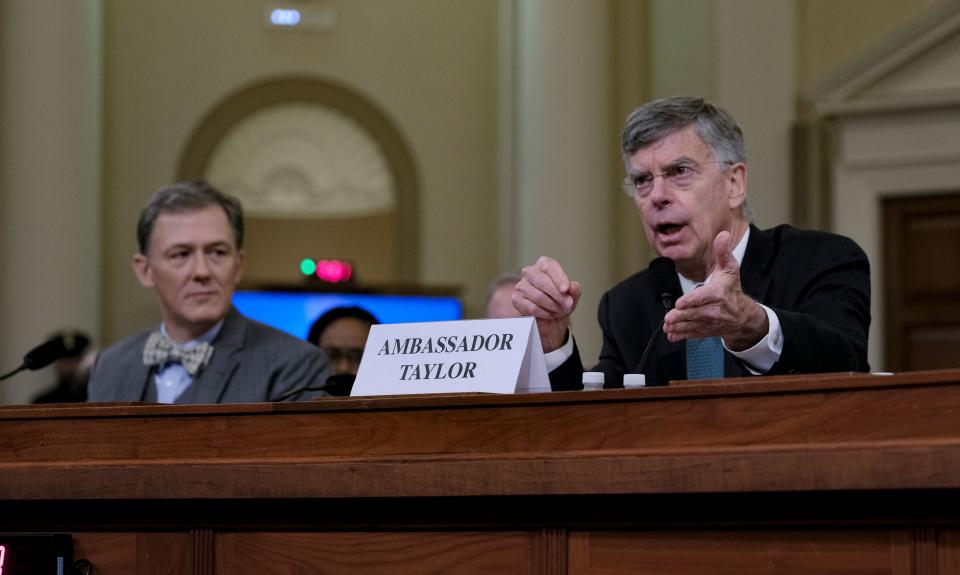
{"x":483,"y":355}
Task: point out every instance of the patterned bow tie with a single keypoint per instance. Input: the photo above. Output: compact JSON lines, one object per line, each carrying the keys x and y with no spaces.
{"x":160,"y":349}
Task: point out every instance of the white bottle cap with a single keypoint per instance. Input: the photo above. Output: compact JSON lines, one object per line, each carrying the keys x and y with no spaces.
{"x":592,"y":380}
{"x":634,"y":380}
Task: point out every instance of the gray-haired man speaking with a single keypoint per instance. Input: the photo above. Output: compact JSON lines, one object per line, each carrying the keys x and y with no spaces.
{"x":754,"y":301}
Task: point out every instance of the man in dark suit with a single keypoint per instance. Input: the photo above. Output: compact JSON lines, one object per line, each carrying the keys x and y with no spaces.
{"x":754,"y":301}
{"x":191,"y":254}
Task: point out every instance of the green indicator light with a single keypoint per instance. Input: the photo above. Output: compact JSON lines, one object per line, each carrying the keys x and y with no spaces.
{"x":308,"y":267}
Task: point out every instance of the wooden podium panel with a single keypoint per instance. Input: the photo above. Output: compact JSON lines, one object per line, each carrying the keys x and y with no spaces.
{"x":384,"y":553}
{"x":744,"y":552}
{"x":824,"y":474}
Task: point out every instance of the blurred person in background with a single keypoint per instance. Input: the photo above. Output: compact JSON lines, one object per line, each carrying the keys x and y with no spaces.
{"x":499,"y":301}
{"x":72,"y":369}
{"x":342,"y":333}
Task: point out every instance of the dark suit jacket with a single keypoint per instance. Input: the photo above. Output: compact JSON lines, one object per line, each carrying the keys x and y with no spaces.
{"x":817,"y":283}
{"x":251,"y":362}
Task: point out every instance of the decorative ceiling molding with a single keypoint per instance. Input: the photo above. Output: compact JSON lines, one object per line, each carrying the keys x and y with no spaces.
{"x":847,"y":90}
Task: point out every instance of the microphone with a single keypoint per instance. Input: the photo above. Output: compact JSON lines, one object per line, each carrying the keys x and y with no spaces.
{"x":41,"y":356}
{"x":666,"y":285}
{"x":340,"y":384}
{"x":666,"y":288}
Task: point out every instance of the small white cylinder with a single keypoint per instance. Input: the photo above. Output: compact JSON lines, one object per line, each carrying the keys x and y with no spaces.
{"x":592,"y":380}
{"x":634,"y":380}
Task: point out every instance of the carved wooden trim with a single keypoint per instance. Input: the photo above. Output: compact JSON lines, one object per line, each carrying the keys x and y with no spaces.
{"x":836,"y":91}
{"x":204,"y":551}
{"x":925,"y":551}
{"x":555,"y":551}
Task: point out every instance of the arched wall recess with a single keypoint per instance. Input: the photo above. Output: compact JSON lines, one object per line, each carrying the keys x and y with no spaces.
{"x":322,"y":172}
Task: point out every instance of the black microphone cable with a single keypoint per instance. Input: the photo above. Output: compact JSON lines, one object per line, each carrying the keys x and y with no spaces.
{"x":338,"y":385}
{"x":646,"y":350}
{"x":666,"y":288}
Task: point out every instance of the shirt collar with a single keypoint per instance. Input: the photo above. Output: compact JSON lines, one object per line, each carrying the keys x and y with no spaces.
{"x":688,"y":285}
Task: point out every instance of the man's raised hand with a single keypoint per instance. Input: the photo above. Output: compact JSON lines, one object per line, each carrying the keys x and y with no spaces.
{"x":546,"y":293}
{"x":719,"y":308}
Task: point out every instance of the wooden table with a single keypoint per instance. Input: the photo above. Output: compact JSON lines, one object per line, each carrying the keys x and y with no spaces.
{"x":836,"y":473}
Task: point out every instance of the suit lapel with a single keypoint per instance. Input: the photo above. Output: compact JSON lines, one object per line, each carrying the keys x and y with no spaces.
{"x":208,"y":387}
{"x":139,"y":373}
{"x":143,"y":375}
{"x":149,"y":391}
{"x":755,"y":281}
{"x":755,"y":269}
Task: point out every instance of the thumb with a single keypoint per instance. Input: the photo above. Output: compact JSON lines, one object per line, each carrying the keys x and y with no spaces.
{"x":723,"y":254}
{"x":575,"y":291}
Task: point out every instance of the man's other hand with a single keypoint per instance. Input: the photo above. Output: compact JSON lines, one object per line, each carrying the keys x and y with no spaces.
{"x":546,"y":293}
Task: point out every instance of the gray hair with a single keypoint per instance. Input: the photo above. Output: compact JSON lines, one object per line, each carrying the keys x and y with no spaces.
{"x":188,"y":197}
{"x":658,"y":119}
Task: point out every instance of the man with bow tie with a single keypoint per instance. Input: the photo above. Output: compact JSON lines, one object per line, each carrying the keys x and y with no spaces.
{"x":190,"y":239}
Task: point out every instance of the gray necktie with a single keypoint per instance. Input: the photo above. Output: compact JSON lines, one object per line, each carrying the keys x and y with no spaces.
{"x":160,"y":349}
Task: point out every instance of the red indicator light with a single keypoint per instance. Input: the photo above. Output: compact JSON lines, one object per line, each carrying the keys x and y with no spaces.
{"x":334,"y":271}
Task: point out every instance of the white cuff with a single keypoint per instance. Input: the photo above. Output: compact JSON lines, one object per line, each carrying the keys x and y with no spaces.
{"x":556,"y":357}
{"x":761,"y":357}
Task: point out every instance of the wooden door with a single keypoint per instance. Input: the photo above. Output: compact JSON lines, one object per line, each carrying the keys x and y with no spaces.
{"x":922,"y":282}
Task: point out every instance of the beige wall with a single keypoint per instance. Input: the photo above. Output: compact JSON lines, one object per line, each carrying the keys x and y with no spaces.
{"x":49,"y":178}
{"x":683,"y":48}
{"x":831,"y":32}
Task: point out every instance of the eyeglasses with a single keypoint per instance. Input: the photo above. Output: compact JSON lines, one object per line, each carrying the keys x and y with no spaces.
{"x":679,"y":176}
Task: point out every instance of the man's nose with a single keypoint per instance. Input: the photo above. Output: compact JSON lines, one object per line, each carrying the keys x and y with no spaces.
{"x":661,"y":192}
{"x":201,"y":267}
{"x":344,"y":365}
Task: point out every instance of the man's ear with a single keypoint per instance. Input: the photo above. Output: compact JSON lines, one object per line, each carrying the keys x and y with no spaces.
{"x":737,"y":182}
{"x":141,"y":267}
{"x":239,"y":267}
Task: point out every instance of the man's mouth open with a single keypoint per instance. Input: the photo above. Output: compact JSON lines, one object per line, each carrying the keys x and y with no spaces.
{"x":668,"y":230}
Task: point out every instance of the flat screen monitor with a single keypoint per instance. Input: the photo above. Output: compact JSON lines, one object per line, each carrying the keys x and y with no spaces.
{"x":295,"y":311}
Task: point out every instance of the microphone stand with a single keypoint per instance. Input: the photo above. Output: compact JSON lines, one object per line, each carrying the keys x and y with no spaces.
{"x":14,"y":372}
{"x":646,"y":351}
